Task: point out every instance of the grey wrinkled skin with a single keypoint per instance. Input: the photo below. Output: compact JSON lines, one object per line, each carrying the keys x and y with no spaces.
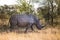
{"x":24,"y":20}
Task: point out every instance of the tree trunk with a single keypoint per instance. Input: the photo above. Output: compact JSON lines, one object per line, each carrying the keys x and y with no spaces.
{"x":52,"y":13}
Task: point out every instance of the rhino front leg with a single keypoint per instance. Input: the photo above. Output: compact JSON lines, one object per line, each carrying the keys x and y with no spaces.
{"x":29,"y":26}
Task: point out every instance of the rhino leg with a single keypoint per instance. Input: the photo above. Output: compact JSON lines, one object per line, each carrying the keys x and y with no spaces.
{"x":11,"y":28}
{"x":32,"y":27}
{"x":29,"y":26}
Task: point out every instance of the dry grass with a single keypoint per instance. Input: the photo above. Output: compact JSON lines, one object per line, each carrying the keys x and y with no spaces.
{"x":45,"y":34}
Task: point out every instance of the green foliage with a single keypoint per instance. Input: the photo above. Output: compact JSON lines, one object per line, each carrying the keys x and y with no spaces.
{"x":58,"y":9}
{"x":6,"y":11}
{"x":24,"y":6}
{"x":48,"y":12}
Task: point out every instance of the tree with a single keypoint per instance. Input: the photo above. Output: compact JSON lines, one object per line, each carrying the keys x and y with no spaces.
{"x":49,"y":11}
{"x":24,"y":6}
{"x":6,"y":11}
{"x":58,"y":3}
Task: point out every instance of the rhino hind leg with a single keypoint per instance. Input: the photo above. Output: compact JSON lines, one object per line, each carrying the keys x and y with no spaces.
{"x":11,"y":28}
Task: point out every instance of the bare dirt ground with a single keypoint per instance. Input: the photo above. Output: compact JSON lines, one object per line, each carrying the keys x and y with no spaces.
{"x":44,"y":34}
